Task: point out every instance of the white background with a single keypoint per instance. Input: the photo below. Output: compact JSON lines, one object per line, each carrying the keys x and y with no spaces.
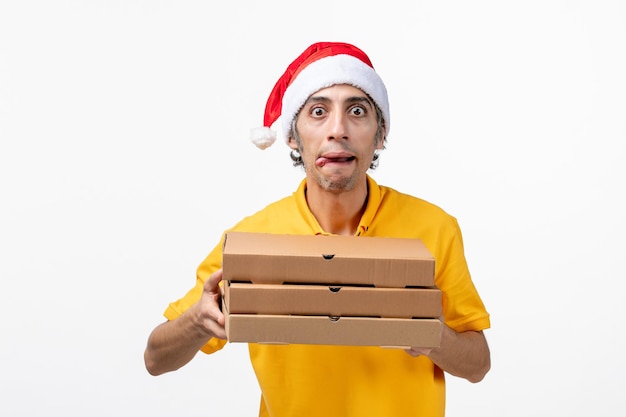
{"x":124,"y":153}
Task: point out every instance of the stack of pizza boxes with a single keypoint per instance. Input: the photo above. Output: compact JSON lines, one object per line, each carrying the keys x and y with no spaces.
{"x":330,"y":290}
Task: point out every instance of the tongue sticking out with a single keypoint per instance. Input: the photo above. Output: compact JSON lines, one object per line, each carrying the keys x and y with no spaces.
{"x":322,"y":160}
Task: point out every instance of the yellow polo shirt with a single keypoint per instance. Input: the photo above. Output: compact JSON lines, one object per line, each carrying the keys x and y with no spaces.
{"x":353,"y":381}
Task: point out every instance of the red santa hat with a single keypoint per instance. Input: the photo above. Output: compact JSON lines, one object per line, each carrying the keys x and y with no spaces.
{"x":321,"y":65}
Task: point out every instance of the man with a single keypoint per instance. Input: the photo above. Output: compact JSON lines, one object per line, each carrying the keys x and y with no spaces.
{"x":332,"y":110}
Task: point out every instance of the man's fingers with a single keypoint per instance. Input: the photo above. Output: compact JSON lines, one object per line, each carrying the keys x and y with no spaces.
{"x":218,"y":316}
{"x":212,"y":289}
{"x":212,"y":284}
{"x":415,"y":351}
{"x":216,"y":326}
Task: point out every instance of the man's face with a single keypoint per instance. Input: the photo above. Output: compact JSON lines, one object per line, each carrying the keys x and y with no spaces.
{"x":337,"y":128}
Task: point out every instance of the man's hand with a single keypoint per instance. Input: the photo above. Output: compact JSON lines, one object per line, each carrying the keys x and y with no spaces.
{"x":174,"y":343}
{"x":415,"y":351}
{"x":464,"y":354}
{"x":208,"y":310}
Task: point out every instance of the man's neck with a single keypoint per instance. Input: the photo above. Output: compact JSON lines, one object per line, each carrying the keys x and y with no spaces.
{"x":337,"y":213}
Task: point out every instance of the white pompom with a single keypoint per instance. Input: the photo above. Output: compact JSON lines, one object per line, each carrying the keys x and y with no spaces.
{"x":263,"y":137}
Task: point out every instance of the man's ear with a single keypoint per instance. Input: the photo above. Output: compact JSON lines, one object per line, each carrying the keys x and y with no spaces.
{"x":381,"y":143}
{"x":291,"y":142}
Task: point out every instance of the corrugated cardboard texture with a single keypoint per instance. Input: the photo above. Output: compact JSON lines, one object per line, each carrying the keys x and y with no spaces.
{"x":375,"y":261}
{"x":248,"y":298}
{"x":350,"y":331}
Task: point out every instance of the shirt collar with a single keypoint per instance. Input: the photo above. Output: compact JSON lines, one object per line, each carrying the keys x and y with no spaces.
{"x":374,"y":197}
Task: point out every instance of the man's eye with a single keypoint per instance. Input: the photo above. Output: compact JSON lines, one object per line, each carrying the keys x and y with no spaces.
{"x":357,"y":111}
{"x":317,"y":111}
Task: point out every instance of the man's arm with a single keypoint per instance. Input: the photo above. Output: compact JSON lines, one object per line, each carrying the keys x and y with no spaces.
{"x":464,"y":354}
{"x":174,"y":343}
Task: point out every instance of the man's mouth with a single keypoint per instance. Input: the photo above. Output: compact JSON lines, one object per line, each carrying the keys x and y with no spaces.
{"x":323,"y":160}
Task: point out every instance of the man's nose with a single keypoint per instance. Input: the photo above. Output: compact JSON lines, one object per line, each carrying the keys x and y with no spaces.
{"x":337,"y":125}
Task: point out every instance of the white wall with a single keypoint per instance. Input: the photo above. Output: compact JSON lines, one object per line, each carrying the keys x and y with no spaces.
{"x":124,"y":153}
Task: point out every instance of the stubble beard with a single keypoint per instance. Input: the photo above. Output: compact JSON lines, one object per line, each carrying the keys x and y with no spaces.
{"x":335,"y":184}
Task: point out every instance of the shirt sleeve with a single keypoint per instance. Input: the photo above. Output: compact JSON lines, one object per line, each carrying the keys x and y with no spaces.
{"x":462,"y":306}
{"x":210,"y":264}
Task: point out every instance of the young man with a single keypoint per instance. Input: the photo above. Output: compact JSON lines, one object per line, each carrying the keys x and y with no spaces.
{"x":332,"y":110}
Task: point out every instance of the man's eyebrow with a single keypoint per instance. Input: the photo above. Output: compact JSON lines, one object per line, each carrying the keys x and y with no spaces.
{"x":360,"y":99}
{"x":317,"y":99}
